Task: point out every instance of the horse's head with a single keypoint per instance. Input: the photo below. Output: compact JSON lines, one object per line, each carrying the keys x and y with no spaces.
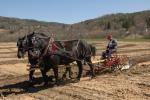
{"x":22,"y":47}
{"x":36,"y":45}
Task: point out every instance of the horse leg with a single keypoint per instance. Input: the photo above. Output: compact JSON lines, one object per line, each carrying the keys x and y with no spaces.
{"x":45,"y":77}
{"x":70,"y":72}
{"x":79,"y":63}
{"x":68,"y":69}
{"x":31,"y":78}
{"x":89,"y":62}
{"x":55,"y":69}
{"x":64,"y":75}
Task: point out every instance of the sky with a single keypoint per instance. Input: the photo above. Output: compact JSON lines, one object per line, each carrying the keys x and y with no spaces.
{"x":68,"y":11}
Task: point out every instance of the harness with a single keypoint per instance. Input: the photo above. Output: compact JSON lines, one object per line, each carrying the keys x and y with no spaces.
{"x":65,"y":51}
{"x":55,"y":47}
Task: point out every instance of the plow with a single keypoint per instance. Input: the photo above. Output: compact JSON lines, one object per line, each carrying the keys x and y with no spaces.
{"x":116,"y":62}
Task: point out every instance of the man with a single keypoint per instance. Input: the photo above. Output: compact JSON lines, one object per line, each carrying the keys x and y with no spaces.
{"x":111,"y":47}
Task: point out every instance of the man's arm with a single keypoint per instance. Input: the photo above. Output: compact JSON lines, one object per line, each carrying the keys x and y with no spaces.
{"x":114,"y":43}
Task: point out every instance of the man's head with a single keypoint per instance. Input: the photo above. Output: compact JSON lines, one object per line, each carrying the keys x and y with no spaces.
{"x":109,"y":37}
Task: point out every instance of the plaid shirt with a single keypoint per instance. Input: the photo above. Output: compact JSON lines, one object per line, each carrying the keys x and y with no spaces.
{"x":112,"y":44}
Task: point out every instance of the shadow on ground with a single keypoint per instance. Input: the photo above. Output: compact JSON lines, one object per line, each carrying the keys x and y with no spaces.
{"x":25,"y":87}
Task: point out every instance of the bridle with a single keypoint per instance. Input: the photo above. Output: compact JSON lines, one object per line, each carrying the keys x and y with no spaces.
{"x":30,"y":44}
{"x":23,"y":45}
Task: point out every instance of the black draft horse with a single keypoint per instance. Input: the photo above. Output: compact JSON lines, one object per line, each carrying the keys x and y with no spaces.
{"x":75,"y":50}
{"x":23,"y":47}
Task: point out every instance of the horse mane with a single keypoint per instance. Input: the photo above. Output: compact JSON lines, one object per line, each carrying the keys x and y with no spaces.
{"x":41,"y":34}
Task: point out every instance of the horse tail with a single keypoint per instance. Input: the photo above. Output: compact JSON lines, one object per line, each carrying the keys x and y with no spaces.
{"x":93,"y":50}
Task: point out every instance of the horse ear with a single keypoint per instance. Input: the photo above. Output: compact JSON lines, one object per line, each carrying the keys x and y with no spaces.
{"x":25,"y":37}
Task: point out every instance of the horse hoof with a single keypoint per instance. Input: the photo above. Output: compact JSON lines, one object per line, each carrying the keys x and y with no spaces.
{"x":78,"y":79}
{"x":30,"y":84}
{"x":31,"y":81}
{"x":52,"y":78}
{"x":57,"y":84}
{"x":70,"y":77}
{"x":33,"y":78}
{"x":93,"y":76}
{"x":64,"y":78}
{"x":45,"y":84}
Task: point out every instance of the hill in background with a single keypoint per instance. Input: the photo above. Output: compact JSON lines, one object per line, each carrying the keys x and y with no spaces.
{"x":121,"y":25}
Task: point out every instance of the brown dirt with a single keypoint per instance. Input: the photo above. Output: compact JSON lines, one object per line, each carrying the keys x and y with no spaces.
{"x":132,"y":84}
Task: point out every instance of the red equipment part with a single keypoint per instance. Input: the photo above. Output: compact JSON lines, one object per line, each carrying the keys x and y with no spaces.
{"x":113,"y":63}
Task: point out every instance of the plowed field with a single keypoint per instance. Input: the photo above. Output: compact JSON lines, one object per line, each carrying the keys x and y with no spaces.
{"x":132,"y":84}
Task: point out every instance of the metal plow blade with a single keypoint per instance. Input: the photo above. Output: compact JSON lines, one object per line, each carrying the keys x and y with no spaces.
{"x":126,"y":66}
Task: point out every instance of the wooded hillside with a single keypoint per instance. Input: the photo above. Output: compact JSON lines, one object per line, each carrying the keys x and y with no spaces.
{"x":121,"y":25}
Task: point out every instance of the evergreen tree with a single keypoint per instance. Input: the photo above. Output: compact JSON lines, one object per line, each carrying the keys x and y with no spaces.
{"x":108,"y":25}
{"x":127,"y":23}
{"x":147,"y":22}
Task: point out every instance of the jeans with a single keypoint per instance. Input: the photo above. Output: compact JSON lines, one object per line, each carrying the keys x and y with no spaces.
{"x":107,"y":54}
